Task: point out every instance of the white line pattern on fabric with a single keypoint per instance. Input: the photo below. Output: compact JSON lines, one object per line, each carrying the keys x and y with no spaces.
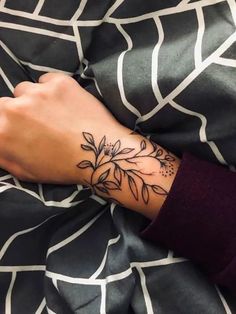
{"x":78,"y":44}
{"x":101,"y":266}
{"x":38,"y":7}
{"x":38,"y":31}
{"x":2,"y":3}
{"x":163,"y":12}
{"x":36,"y":17}
{"x":9,"y":293}
{"x":115,"y":277}
{"x":146,"y":295}
{"x":43,"y":68}
{"x":226,"y":307}
{"x":155,"y":56}
{"x":65,"y":203}
{"x":79,"y":10}
{"x":103,"y":299}
{"x":50,"y":311}
{"x":113,"y":8}
{"x":75,"y":235}
{"x":23,"y":268}
{"x":41,"y":307}
{"x":226,"y":62}
{"x":120,"y":66}
{"x":200,"y":34}
{"x":6,"y":80}
{"x":195,"y":73}
{"x":232,"y":6}
{"x":202,"y":131}
{"x":17,"y":234}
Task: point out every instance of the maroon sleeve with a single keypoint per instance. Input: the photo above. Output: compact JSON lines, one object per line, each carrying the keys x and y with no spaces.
{"x":198,"y":219}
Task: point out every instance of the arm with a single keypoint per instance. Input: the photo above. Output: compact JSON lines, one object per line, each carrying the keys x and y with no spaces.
{"x":56,"y":132}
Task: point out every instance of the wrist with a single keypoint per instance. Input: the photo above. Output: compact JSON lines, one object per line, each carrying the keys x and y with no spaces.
{"x":126,"y":167}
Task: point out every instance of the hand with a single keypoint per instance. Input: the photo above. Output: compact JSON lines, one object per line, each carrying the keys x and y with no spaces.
{"x":41,"y":129}
{"x":56,"y":132}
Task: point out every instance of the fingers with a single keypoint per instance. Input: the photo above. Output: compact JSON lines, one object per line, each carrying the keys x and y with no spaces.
{"x":52,"y":78}
{"x":26,"y":87}
{"x":23,"y":88}
{"x":48,"y":77}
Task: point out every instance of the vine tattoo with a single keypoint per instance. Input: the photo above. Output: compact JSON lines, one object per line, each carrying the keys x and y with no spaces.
{"x":112,"y":165}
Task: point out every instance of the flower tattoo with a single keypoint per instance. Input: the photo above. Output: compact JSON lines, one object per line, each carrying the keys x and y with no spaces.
{"x":112,"y":165}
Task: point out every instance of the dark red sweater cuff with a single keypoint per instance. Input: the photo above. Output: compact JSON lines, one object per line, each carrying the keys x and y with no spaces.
{"x":198,"y":218}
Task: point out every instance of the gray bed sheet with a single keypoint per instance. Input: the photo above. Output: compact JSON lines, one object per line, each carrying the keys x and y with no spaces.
{"x":164,"y":68}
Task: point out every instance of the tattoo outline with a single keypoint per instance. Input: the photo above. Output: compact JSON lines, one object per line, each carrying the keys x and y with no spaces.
{"x":112,"y":154}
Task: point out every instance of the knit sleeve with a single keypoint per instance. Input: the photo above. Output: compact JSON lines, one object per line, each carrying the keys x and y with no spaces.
{"x":198,"y":219}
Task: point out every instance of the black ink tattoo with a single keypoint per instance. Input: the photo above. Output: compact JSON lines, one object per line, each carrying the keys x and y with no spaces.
{"x":109,"y":171}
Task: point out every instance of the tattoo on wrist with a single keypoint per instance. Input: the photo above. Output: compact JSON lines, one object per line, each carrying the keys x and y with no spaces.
{"x":112,"y":165}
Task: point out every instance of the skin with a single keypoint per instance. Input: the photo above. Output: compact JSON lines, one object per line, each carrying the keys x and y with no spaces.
{"x":43,"y":136}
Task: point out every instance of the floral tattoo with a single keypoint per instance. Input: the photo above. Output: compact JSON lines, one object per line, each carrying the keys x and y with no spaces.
{"x":111,"y":165}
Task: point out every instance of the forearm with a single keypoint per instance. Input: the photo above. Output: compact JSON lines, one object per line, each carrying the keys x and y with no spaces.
{"x":127,"y":168}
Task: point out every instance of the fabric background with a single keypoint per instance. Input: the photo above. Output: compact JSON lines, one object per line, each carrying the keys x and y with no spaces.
{"x":164,"y":68}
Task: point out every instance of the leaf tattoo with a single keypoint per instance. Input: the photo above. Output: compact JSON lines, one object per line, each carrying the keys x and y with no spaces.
{"x":145,"y":193}
{"x":133,"y":187}
{"x":117,"y":174}
{"x":89,"y":138}
{"x":87,"y":147}
{"x":158,"y":190}
{"x":103,"y":176}
{"x":102,"y":144}
{"x":101,"y":188}
{"x":125,"y":151}
{"x":116,"y":147}
{"x":110,"y":185}
{"x":143,"y":145}
{"x":110,"y":157}
{"x":85,"y":164}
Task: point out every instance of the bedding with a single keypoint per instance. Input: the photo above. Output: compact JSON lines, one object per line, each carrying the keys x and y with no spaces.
{"x":164,"y":68}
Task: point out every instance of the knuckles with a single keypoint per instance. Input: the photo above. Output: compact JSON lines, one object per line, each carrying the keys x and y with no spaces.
{"x":38,"y":94}
{"x":52,"y":85}
{"x":33,"y":98}
{"x":12,"y":110}
{"x":62,"y":83}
